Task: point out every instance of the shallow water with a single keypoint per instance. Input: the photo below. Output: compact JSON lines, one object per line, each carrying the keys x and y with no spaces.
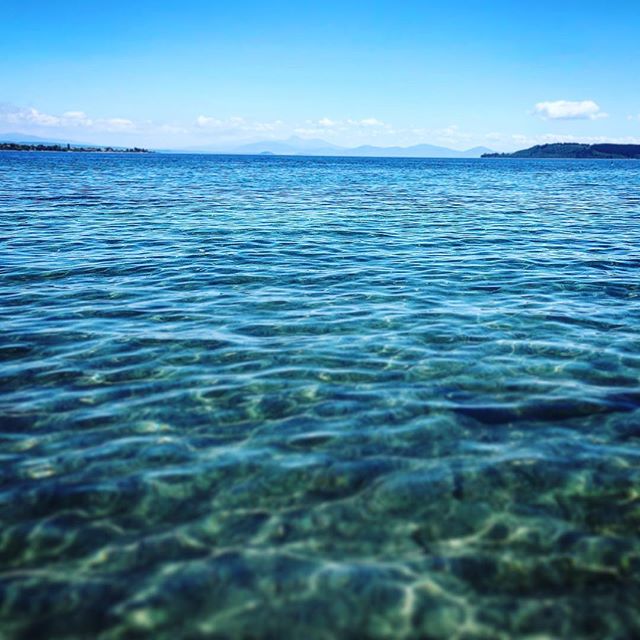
{"x":319,"y":398}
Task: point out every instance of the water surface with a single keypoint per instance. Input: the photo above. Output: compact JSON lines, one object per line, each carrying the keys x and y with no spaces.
{"x":319,"y":398}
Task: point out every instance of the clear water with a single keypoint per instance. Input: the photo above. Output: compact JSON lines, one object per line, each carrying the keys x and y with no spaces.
{"x":319,"y":398}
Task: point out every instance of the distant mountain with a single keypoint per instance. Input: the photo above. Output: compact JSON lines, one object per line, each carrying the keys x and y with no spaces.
{"x":476,"y":152}
{"x":295,"y":146}
{"x":23,"y":138}
{"x":290,"y":147}
{"x":574,"y":150}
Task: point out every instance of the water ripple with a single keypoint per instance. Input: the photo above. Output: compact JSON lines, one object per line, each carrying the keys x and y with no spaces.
{"x":293,"y":397}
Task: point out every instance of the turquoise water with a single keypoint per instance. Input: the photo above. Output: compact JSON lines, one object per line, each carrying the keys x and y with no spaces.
{"x":319,"y":398}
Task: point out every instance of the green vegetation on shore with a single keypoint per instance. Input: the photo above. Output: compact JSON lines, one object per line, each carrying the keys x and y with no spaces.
{"x":574,"y":150}
{"x":15,"y":146}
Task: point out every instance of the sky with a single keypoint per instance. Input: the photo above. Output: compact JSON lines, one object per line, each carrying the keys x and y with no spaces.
{"x":460,"y":73}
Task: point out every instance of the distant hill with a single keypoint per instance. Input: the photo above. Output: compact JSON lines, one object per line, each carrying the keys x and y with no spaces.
{"x":295,"y":146}
{"x":25,"y":142}
{"x":291,"y":147}
{"x":23,"y":138}
{"x":64,"y":148}
{"x":574,"y":150}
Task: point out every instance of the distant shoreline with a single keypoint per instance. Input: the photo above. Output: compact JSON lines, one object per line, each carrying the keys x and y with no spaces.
{"x":68,"y":148}
{"x":576,"y":151}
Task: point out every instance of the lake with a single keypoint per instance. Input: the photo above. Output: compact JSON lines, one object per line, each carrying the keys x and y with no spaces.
{"x":270,"y":397}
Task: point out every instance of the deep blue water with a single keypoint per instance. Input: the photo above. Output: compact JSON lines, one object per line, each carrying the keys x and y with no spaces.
{"x":261,"y":397}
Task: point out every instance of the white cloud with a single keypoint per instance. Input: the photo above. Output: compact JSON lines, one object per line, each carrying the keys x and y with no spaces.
{"x":207,"y":122}
{"x":345,"y":125}
{"x":348,"y":131}
{"x":31,"y":117}
{"x":367,"y":122}
{"x":118,"y":124}
{"x":170,"y":128}
{"x":236,"y":124}
{"x":568,"y":110}
{"x":310,"y":132}
{"x":75,"y":115}
{"x":451,"y":134}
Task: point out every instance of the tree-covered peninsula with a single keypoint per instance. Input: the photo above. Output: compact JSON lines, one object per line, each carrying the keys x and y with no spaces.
{"x":574,"y":150}
{"x":16,"y":146}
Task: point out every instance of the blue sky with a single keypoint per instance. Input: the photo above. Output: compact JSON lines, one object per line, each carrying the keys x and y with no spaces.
{"x":459,"y":73}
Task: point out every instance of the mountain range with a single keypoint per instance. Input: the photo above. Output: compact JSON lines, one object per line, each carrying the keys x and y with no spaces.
{"x":23,"y":138}
{"x":296,"y":146}
{"x":293,"y":146}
